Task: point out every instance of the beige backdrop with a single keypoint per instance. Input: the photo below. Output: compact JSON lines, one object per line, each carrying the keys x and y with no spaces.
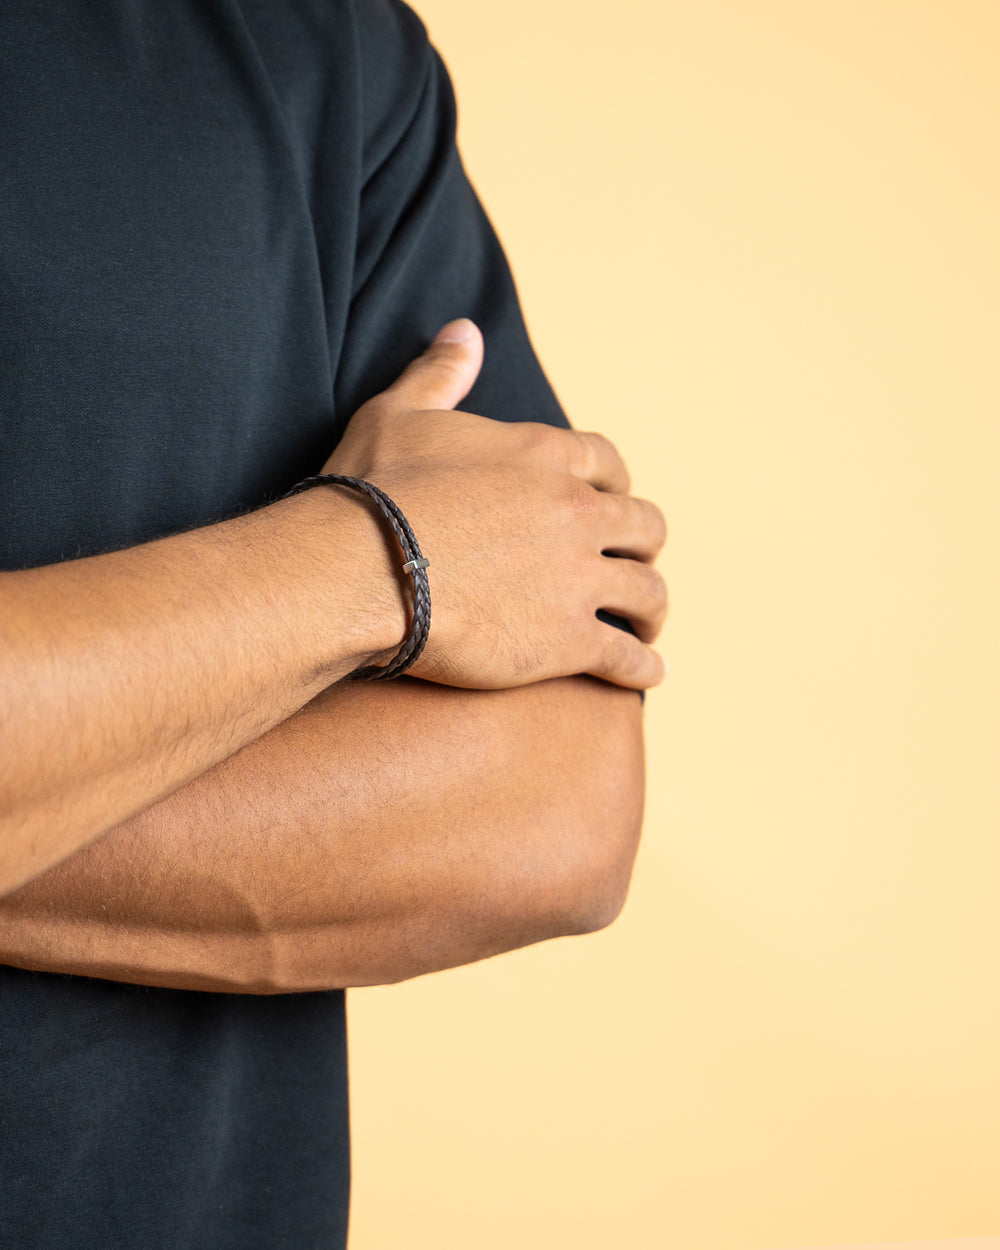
{"x":757,"y":242}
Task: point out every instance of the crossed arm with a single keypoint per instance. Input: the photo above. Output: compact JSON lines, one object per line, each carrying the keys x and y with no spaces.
{"x":379,"y":831}
{"x":382,"y":832}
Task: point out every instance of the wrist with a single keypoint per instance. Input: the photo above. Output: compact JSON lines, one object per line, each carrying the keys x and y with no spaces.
{"x":352,"y":591}
{"x":414,"y":563}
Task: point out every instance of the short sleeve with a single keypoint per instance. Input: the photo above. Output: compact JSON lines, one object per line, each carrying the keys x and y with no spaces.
{"x":426,"y":251}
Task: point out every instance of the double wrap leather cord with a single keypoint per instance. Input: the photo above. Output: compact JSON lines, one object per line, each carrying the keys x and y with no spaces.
{"x":415,"y":564}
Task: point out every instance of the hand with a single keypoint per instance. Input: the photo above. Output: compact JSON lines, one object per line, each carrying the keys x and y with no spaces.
{"x":529,"y":531}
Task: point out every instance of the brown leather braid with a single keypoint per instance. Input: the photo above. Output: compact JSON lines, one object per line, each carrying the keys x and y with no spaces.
{"x":415,"y":565}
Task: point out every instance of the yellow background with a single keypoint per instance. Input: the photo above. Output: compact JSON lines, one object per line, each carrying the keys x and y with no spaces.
{"x":757,"y":243}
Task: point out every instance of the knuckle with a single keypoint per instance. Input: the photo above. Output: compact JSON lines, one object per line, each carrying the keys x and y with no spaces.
{"x":602,"y":441}
{"x":582,"y":499}
{"x":657,"y":597}
{"x":603,"y":449}
{"x":658,"y":592}
{"x":539,"y":437}
{"x":420,"y":381}
{"x":441,"y":368}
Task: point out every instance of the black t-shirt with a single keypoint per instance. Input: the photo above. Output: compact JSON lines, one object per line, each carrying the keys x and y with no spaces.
{"x":224,"y":224}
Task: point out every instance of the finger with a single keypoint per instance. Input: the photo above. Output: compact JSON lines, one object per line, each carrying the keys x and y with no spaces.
{"x":638,"y":593}
{"x":596,"y":459}
{"x":626,"y":661}
{"x":443,"y":376}
{"x":631,"y":527}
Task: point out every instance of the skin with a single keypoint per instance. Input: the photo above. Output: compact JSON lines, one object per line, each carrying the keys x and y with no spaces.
{"x":149,"y":666}
{"x":336,"y":859}
{"x":384,"y":832}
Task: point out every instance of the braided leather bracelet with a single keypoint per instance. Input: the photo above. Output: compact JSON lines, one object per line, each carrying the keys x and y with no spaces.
{"x":415,"y":565}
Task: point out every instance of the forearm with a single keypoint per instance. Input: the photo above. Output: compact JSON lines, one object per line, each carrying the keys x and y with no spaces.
{"x":126,"y":675}
{"x":383,"y":832}
{"x":123,"y":676}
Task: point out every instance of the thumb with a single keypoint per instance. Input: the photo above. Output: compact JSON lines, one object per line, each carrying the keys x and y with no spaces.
{"x":445,"y":373}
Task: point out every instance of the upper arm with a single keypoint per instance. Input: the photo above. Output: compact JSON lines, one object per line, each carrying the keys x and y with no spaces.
{"x":426,"y":251}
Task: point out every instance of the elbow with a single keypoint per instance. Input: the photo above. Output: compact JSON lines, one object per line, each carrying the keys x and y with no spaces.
{"x":558,"y":865}
{"x":599,"y":906}
{"x":601,"y":883}
{"x":592,"y":837}
{"x":585,"y":888}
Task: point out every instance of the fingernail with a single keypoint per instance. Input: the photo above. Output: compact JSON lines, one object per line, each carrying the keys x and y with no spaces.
{"x":459,"y":331}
